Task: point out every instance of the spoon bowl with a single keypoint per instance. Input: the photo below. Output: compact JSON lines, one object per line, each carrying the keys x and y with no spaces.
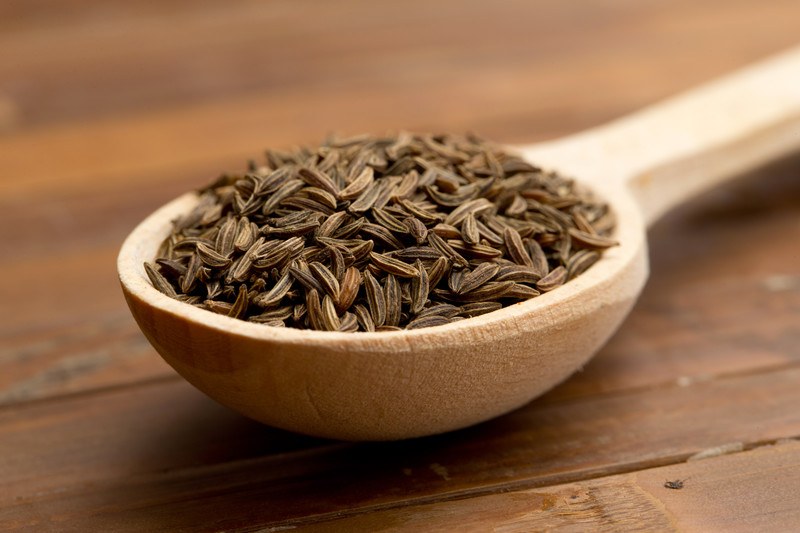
{"x":394,"y":385}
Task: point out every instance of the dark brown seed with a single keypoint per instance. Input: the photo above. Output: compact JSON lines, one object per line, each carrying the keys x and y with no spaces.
{"x":349,"y":322}
{"x":385,"y":219}
{"x":302,"y":273}
{"x":587,"y":240}
{"x":245,"y":234}
{"x":330,"y":320}
{"x":317,"y":178}
{"x":365,"y":200}
{"x":348,"y":290}
{"x":331,"y":224}
{"x":393,"y":266}
{"x":407,"y":185}
{"x":190,"y":278}
{"x":281,"y":313}
{"x":437,"y":270}
{"x":211,"y":258}
{"x":239,"y":308}
{"x":382,"y":234}
{"x":356,"y":187}
{"x":320,"y":196}
{"x":479,"y":308}
{"x":518,"y":273}
{"x":446,"y":250}
{"x":538,"y":257}
{"x":494,"y":290}
{"x":226,"y":236}
{"x":477,"y":207}
{"x":483,"y":273}
{"x":554,"y":279}
{"x":454,"y":280}
{"x":441,"y":309}
{"x":428,"y":322}
{"x":419,"y":289}
{"x":327,"y":280}
{"x":314,"y":310}
{"x":446,"y":231}
{"x":425,"y":216}
{"x":276,"y":293}
{"x":412,"y":253}
{"x":477,"y":251}
{"x":521,"y":292}
{"x":159,"y":281}
{"x":364,"y":318}
{"x":221,"y":308}
{"x":338,"y":265}
{"x":375,"y":299}
{"x":417,"y":229}
{"x":580,"y":261}
{"x":469,"y":230}
{"x":515,"y":247}
{"x":391,"y":290}
{"x":285,"y":191}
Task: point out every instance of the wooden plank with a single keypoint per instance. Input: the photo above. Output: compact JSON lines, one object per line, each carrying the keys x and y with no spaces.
{"x":728,"y":310}
{"x":189,"y":55}
{"x":163,"y":457}
{"x":755,"y":490}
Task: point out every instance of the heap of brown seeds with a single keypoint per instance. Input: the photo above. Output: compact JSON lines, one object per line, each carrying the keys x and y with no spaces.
{"x":380,"y":234}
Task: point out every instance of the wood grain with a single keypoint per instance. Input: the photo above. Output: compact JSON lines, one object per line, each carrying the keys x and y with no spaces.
{"x":132,"y":464}
{"x":100,"y":125}
{"x":712,"y":498}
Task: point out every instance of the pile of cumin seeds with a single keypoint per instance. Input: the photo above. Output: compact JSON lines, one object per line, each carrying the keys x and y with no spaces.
{"x":380,"y":234}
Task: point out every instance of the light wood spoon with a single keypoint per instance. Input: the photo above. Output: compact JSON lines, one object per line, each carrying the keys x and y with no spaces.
{"x":394,"y":385}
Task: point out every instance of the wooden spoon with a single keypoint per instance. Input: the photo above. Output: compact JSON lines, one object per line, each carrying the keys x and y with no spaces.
{"x":394,"y":385}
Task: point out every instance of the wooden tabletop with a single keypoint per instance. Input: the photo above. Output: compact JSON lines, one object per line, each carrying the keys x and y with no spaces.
{"x":109,"y":109}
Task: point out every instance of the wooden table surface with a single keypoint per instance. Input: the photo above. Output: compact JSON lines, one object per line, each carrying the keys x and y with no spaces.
{"x":109,"y":109}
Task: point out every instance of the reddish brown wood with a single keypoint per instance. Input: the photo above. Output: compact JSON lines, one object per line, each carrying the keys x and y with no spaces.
{"x":162,"y":455}
{"x":710,"y":499}
{"x":96,"y":432}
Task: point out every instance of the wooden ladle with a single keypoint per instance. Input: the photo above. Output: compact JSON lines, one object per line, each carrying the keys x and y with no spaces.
{"x":394,"y":385}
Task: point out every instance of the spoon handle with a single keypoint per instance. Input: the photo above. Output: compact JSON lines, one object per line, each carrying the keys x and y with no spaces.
{"x":675,"y":149}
